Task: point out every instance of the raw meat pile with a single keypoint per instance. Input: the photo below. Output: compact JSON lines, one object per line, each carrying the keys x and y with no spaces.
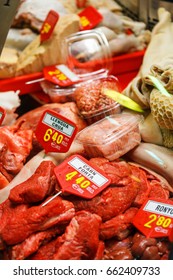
{"x":73,"y":228}
{"x":34,"y":227}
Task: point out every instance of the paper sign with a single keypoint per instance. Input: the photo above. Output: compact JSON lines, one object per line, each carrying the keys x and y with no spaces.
{"x":78,"y":176}
{"x":89,"y":18}
{"x":55,"y":132}
{"x":60,"y":75}
{"x":155,"y":218}
{"x":48,"y":25}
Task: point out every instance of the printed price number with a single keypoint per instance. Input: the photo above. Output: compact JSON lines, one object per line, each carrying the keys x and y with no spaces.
{"x":140,"y":270}
{"x":158,"y":221}
{"x":84,"y":21}
{"x":46,"y":28}
{"x":50,"y":134}
{"x":58,"y":74}
{"x":81,"y":180}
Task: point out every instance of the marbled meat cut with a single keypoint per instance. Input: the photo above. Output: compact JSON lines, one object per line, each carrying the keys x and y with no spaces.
{"x":40,"y":185}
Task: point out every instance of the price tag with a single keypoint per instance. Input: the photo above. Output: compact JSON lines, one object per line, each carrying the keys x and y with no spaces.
{"x":48,"y":25}
{"x":2,"y":114}
{"x":55,"y":132}
{"x":60,"y":75}
{"x":89,"y":18}
{"x":155,"y":219}
{"x":78,"y":176}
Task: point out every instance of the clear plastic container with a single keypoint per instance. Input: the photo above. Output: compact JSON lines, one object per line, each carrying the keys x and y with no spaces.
{"x":111,"y":137}
{"x":80,"y":49}
{"x":58,"y":94}
{"x":93,"y":105}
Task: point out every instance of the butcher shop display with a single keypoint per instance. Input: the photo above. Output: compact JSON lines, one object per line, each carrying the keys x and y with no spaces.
{"x":109,"y":196}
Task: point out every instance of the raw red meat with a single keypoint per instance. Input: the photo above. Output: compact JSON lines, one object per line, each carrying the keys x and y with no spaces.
{"x":119,"y":226}
{"x":20,"y":225}
{"x":15,"y":147}
{"x":29,"y":246}
{"x":80,"y":240}
{"x":92,"y":103}
{"x":149,"y":248}
{"x":118,"y":250}
{"x":41,"y":184}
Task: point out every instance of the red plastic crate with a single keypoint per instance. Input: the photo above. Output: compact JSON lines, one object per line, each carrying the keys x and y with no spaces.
{"x":124,"y":67}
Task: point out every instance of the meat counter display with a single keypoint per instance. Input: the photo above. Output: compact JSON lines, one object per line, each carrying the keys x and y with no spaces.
{"x":109,"y":196}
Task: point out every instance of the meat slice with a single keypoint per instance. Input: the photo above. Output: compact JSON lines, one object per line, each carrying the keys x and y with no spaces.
{"x":36,"y":218}
{"x":29,"y":246}
{"x":37,"y":187}
{"x":80,"y":240}
{"x":15,"y":146}
{"x":118,"y":226}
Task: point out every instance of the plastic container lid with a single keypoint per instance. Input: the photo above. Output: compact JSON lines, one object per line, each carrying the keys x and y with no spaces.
{"x":85,"y":47}
{"x":111,"y":137}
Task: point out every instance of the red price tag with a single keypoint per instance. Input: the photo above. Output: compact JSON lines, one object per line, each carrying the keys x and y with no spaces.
{"x":2,"y":114}
{"x":89,"y":18}
{"x":55,"y":132}
{"x":155,"y":219}
{"x":60,"y":75}
{"x":48,"y":25}
{"x":78,"y":176}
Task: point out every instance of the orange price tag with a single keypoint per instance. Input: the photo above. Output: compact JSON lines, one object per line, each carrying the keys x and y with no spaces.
{"x":155,"y":218}
{"x":48,"y":25}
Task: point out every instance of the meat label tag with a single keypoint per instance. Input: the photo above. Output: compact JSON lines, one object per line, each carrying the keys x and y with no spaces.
{"x":89,"y":18}
{"x":55,"y":132}
{"x":155,"y":219}
{"x":78,"y":176}
{"x":2,"y":114}
{"x":60,"y":75}
{"x":48,"y":25}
